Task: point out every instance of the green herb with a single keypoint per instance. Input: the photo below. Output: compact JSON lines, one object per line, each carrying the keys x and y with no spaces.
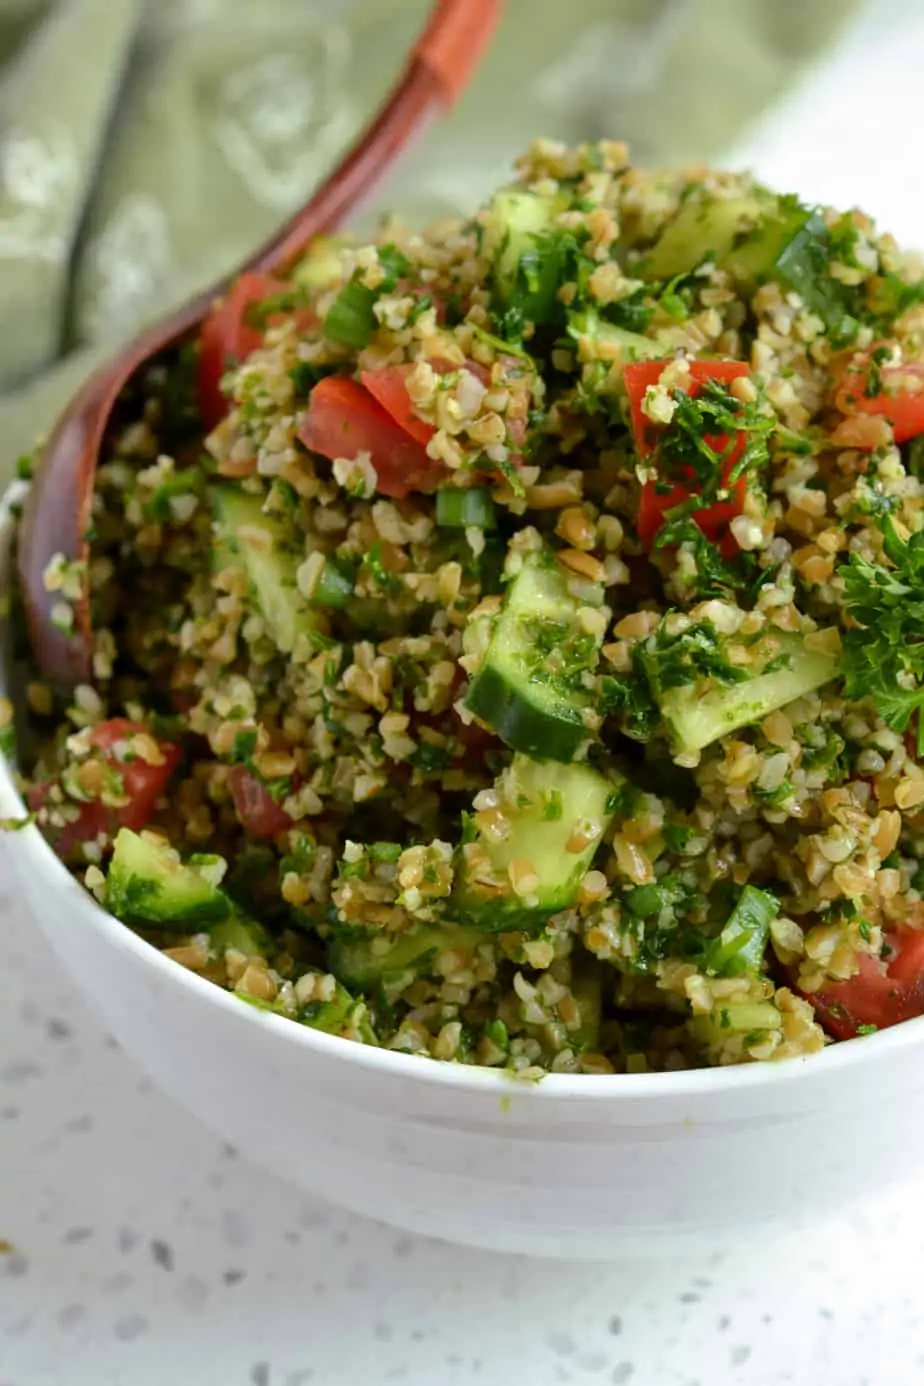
{"x":8,"y":741}
{"x":740,"y":946}
{"x":388,"y":582}
{"x":884,"y":659}
{"x":674,"y":660}
{"x":243,"y":747}
{"x":420,"y":306}
{"x":714,"y":576}
{"x":677,"y":836}
{"x":712,"y":440}
{"x":632,"y":313}
{"x":351,"y":317}
{"x":304,"y":375}
{"x":551,"y":260}
{"x":430,"y":759}
{"x":867,"y":1029}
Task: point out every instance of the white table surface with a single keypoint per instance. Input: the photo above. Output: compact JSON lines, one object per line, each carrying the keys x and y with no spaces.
{"x":147,"y":1253}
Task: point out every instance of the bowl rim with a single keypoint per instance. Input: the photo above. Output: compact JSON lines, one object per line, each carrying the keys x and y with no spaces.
{"x":842,"y":1056}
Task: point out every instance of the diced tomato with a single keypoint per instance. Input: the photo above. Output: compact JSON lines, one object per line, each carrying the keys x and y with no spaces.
{"x":882,"y":993}
{"x":389,"y":387}
{"x":654,"y":503}
{"x":142,"y":783}
{"x":228,"y":338}
{"x":343,"y":419}
{"x":260,"y":815}
{"x":893,"y":391}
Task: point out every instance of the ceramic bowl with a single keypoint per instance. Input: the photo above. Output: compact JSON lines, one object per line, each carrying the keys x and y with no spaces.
{"x":571,"y":1166}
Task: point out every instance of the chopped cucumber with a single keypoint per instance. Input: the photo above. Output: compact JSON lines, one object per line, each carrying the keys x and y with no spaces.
{"x":260,"y":545}
{"x":243,"y":935}
{"x":333,"y":1016}
{"x":528,"y":259}
{"x":756,"y":239}
{"x":351,"y":317}
{"x":334,"y":586}
{"x":148,"y":883}
{"x":555,"y":817}
{"x":694,"y":717}
{"x":367,"y":960}
{"x":587,"y":990}
{"x":741,"y":945}
{"x":589,"y":327}
{"x":343,"y":1015}
{"x":791,"y":245}
{"x":458,"y":509}
{"x":704,"y":229}
{"x":530,"y":687}
{"x":320,"y":265}
{"x":749,"y":1015}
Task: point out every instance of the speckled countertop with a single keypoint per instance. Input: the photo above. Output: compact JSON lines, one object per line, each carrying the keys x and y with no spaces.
{"x":138,"y":1250}
{"x":147,"y":1253}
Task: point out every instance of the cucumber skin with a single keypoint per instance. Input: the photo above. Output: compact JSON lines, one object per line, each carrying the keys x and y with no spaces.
{"x":520,"y":724}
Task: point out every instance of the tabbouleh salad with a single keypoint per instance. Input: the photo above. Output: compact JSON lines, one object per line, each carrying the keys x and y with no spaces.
{"x":508,"y":638}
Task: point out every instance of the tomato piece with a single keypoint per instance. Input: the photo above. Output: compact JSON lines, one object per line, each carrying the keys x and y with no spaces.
{"x":639,"y":376}
{"x":260,"y":815}
{"x":389,"y":388}
{"x":883,"y":992}
{"x":142,"y":783}
{"x":895,"y":392}
{"x":227,"y":338}
{"x":343,"y":419}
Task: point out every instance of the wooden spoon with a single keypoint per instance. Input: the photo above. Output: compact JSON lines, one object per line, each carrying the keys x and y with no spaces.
{"x":58,"y":508}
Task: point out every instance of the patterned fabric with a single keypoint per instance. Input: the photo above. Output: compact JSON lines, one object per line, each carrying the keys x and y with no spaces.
{"x":147,"y":145}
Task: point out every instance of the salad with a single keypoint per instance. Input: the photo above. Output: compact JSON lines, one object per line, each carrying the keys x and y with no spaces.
{"x":508,"y":637}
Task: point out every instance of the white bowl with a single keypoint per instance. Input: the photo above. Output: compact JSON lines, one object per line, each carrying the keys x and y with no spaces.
{"x":571,"y":1166}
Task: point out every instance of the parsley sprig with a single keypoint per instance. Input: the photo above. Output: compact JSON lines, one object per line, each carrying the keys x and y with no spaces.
{"x":884,"y":658}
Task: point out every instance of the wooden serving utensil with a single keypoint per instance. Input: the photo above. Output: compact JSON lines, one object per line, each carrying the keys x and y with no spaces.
{"x":58,"y":508}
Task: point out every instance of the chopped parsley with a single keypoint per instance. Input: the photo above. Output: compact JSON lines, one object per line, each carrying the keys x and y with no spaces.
{"x":884,"y":658}
{"x":712,"y":440}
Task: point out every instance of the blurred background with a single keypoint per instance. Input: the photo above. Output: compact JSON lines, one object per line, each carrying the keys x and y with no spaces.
{"x":147,"y":145}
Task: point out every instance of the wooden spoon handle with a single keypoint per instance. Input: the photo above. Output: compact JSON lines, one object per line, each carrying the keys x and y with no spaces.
{"x":57,"y":512}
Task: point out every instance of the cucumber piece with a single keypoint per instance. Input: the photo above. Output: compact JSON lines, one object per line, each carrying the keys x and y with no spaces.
{"x":694,"y":718}
{"x":587,"y":990}
{"x":530,"y":688}
{"x":741,"y":945}
{"x":146,"y":881}
{"x":334,"y":586}
{"x":244,"y":935}
{"x":590,"y":327}
{"x":556,"y":817}
{"x":320,"y":265}
{"x":334,"y":1016}
{"x":366,"y":961}
{"x":705,"y":228}
{"x":343,"y":1015}
{"x":749,"y":1015}
{"x":261,"y":546}
{"x":529,"y":259}
{"x":458,"y":509}
{"x":792,"y":245}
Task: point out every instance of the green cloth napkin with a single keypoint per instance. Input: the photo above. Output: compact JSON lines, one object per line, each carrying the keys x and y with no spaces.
{"x":145,"y":148}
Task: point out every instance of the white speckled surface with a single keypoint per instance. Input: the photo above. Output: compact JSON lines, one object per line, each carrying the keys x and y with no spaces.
{"x":145,"y":1253}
